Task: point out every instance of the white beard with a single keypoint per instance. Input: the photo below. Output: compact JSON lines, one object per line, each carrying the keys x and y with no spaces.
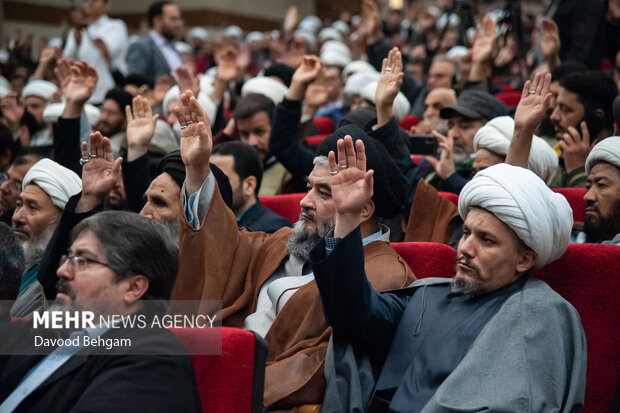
{"x":35,"y":247}
{"x":301,"y":241}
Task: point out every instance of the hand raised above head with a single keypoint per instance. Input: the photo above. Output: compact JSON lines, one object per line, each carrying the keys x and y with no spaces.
{"x":534,"y":103}
{"x":78,"y":80}
{"x":100,"y":171}
{"x":391,"y":78}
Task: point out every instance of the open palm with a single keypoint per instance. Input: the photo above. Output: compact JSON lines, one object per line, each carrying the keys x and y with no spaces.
{"x":534,"y":103}
{"x":140,"y":123}
{"x":486,"y":33}
{"x":196,"y":139}
{"x":101,"y":173}
{"x":77,"y":80}
{"x":391,"y":78}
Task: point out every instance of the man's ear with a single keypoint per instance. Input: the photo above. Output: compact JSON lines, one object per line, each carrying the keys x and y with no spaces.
{"x":249,"y":186}
{"x":599,"y":113}
{"x":528,"y":259}
{"x":368,"y":211}
{"x":136,"y":287}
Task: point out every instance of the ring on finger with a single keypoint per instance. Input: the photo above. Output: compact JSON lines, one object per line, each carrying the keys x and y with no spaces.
{"x":91,"y":156}
{"x":183,"y":126}
{"x":532,"y":92}
{"x":343,"y":166}
{"x":333,"y":172}
{"x":388,"y":69}
{"x":189,"y":122}
{"x":84,"y":161}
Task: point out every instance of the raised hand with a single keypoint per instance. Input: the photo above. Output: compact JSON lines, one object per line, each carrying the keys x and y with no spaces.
{"x":187,"y":80}
{"x":317,"y":94}
{"x":306,"y":73}
{"x":575,"y":147}
{"x":370,"y":21}
{"x":388,"y":85}
{"x":486,"y":33}
{"x":12,"y":111}
{"x":226,"y":59}
{"x":550,"y":41}
{"x":290,"y":19}
{"x":140,"y":127}
{"x":445,"y":165}
{"x":100,"y":172}
{"x":534,"y":103}
{"x":196,"y":141}
{"x":162,"y":85}
{"x":77,"y":80}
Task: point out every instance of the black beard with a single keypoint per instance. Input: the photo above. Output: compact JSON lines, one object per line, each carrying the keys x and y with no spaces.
{"x":607,"y":227}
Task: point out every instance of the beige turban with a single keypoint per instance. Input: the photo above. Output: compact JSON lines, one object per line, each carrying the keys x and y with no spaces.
{"x":401,"y":105}
{"x":607,"y":150}
{"x":58,"y":182}
{"x":541,"y":218}
{"x":495,"y":136}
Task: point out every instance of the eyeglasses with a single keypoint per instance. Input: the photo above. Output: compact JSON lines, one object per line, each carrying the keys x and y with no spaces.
{"x":78,"y":262}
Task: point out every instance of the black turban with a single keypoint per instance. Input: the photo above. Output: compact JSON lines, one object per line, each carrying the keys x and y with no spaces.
{"x":174,"y":166}
{"x":281,"y":71}
{"x":121,"y":98}
{"x":390,"y":187}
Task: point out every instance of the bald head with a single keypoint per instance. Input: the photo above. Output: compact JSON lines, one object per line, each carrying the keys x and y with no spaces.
{"x":437,"y":99}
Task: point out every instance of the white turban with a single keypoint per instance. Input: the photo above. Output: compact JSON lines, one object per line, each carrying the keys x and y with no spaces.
{"x":541,"y":218}
{"x":183,"y":48}
{"x":358,"y":81}
{"x":330,"y":33}
{"x":234,"y":31}
{"x":58,"y":182}
{"x":308,"y":36}
{"x":400,"y":107}
{"x":40,"y":88}
{"x":198,"y":33}
{"x":357,"y":66}
{"x":5,"y":87}
{"x":205,"y":101}
{"x":52,"y":112}
{"x":342,"y":26}
{"x":254,"y":37}
{"x":335,"y":53}
{"x":267,"y":86}
{"x":607,"y":150}
{"x":495,"y":136}
{"x":310,"y":23}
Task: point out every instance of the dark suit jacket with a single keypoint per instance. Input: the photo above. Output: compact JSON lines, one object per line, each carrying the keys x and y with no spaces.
{"x":258,"y":218}
{"x":144,"y":58}
{"x":120,"y":382}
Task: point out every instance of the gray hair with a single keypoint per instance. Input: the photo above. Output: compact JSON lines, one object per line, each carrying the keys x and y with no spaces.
{"x":11,"y":263}
{"x":321,"y":160}
{"x":136,"y":245}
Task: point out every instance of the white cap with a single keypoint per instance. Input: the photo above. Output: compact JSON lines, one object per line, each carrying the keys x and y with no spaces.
{"x":40,"y":88}
{"x":456,"y":52}
{"x":183,"y":48}
{"x":330,"y":33}
{"x":341,"y":26}
{"x":5,"y":87}
{"x":401,"y":105}
{"x":52,"y":112}
{"x":306,"y":35}
{"x":357,"y":66}
{"x":267,"y":86}
{"x":335,"y":53}
{"x":358,"y":81}
{"x":311,"y":23}
{"x":234,"y":31}
{"x":254,"y":36}
{"x":198,"y":33}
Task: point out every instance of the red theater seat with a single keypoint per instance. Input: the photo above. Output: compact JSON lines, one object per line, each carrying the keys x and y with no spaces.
{"x":417,"y":158}
{"x":588,"y":276}
{"x":574,"y":196}
{"x":325,"y":125}
{"x":427,"y":259}
{"x":286,"y":205}
{"x":510,"y":99}
{"x":454,"y":198}
{"x":408,"y":121}
{"x":315,"y":140}
{"x":233,"y":381}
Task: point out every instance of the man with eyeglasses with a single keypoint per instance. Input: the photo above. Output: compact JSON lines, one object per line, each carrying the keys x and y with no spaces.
{"x":11,"y":185}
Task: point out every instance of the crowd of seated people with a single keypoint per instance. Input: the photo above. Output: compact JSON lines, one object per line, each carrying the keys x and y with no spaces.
{"x":138,"y":163}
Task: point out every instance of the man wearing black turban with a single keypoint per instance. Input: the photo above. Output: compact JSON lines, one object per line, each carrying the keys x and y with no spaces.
{"x":264,"y":282}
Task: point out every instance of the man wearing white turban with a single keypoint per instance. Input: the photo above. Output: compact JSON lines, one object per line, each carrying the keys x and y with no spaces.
{"x":36,"y":95}
{"x":490,"y":339}
{"x":492,"y":141}
{"x":46,"y":188}
{"x":602,"y":219}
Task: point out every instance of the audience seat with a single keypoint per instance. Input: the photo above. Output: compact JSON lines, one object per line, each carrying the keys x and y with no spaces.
{"x":286,"y":205}
{"x":454,"y":198}
{"x":417,"y":158}
{"x":510,"y":99}
{"x":588,"y":276}
{"x":233,"y":381}
{"x":314,"y":140}
{"x":325,"y":125}
{"x":408,"y":121}
{"x":574,"y":196}
{"x":427,"y":259}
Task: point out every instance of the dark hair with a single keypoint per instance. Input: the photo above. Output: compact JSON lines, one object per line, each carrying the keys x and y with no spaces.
{"x":137,"y":80}
{"x":26,"y":159}
{"x":12,"y":263}
{"x":566,"y":69}
{"x":121,"y":97}
{"x":281,"y":71}
{"x":135,"y":245}
{"x":252,"y":104}
{"x":156,"y":10}
{"x":7,"y":142}
{"x":594,"y":90}
{"x":247,"y":161}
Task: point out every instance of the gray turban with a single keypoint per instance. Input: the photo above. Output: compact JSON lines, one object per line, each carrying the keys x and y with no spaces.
{"x":607,"y":150}
{"x":541,"y":218}
{"x":58,"y":182}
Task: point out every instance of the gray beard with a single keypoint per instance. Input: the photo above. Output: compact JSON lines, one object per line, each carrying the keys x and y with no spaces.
{"x":35,"y":247}
{"x":173,"y":227}
{"x":462,"y":287}
{"x":301,"y":241}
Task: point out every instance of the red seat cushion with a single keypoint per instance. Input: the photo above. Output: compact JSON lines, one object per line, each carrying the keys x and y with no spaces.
{"x":315,"y":140}
{"x":408,"y":121}
{"x":454,"y":198}
{"x":417,"y":158}
{"x":427,"y":259}
{"x":510,"y":99}
{"x":325,"y":125}
{"x":286,"y":205}
{"x":574,"y":196}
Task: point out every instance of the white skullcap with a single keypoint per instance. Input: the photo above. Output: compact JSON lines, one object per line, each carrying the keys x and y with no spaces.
{"x":334,"y":58}
{"x":454,"y":21}
{"x":456,"y":51}
{"x":254,"y":37}
{"x":400,"y":107}
{"x":198,"y":33}
{"x":267,"y":86}
{"x":4,"y":56}
{"x":233,"y":31}
{"x":58,"y":182}
{"x":5,"y":86}
{"x":607,"y":150}
{"x":358,"y":81}
{"x":434,"y":11}
{"x":330,"y":33}
{"x":183,"y":48}
{"x":495,"y":136}
{"x":40,"y":88}
{"x":52,"y":112}
{"x":311,"y":23}
{"x":342,"y":27}
{"x":541,"y":218}
{"x":308,"y":36}
{"x":203,"y":99}
{"x":357,"y":66}
{"x":336,"y":46}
